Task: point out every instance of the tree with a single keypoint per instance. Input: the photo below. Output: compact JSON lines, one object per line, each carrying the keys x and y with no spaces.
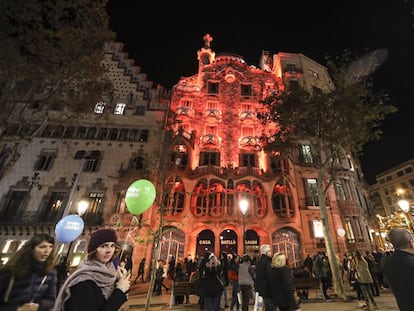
{"x":50,"y":61}
{"x":336,"y":122}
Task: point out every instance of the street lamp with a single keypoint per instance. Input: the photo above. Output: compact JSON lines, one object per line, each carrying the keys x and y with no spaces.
{"x":405,"y":207}
{"x":244,"y":205}
{"x":82,"y":207}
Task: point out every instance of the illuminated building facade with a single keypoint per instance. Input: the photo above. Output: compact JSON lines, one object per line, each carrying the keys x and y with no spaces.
{"x":216,"y":160}
{"x":93,"y":156}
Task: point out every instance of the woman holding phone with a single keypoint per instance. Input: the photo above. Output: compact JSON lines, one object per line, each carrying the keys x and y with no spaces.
{"x":96,"y":284}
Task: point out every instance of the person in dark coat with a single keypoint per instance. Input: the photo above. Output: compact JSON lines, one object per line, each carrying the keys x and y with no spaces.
{"x":282,"y":285}
{"x":263,"y":269}
{"x":28,"y":281}
{"x":141,"y":270}
{"x":96,"y":284}
{"x":212,"y":288}
{"x":224,"y":262}
{"x":398,"y":269}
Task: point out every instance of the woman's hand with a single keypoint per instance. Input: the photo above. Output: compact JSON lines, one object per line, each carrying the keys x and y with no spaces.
{"x":123,"y":279}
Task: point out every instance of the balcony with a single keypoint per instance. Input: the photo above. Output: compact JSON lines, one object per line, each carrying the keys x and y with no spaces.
{"x":210,"y":141}
{"x":249,"y":143}
{"x":213,"y":115}
{"x":184,"y":113}
{"x":248,"y":117}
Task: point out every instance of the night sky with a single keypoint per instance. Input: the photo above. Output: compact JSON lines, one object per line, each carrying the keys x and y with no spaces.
{"x":163,"y":39}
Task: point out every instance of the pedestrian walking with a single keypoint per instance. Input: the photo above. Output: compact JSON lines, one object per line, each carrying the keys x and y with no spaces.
{"x":282,"y":285}
{"x":28,"y":281}
{"x":141,"y":271}
{"x":263,"y":270}
{"x":246,"y":281}
{"x":364,"y":279}
{"x":96,"y":284}
{"x":234,"y":281}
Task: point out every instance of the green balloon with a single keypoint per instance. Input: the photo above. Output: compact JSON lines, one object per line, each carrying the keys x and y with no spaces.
{"x":140,"y":196}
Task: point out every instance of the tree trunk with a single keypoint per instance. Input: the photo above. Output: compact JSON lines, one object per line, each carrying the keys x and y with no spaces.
{"x":333,"y":259}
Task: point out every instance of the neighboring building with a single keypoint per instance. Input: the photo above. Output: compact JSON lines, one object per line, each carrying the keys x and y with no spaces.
{"x":391,"y":186}
{"x":217,"y":160}
{"x":94,"y":157}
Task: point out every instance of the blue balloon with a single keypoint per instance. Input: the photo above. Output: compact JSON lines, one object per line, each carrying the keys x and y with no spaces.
{"x":69,"y":228}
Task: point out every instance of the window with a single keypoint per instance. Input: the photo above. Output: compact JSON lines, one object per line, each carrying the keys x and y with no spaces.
{"x":317,"y":228}
{"x":247,"y":131}
{"x":103,"y":133}
{"x":291,"y":68}
{"x":140,"y":111}
{"x":311,"y":187}
{"x":4,"y":157}
{"x":340,"y":192}
{"x":113,"y":134}
{"x":400,"y":173}
{"x":246,"y":107}
{"x":306,"y":154}
{"x":119,"y":108}
{"x":99,"y":107}
{"x":139,"y":163}
{"x":408,"y":170}
{"x":246,"y":90}
{"x":212,"y":104}
{"x":14,"y":204}
{"x":209,"y":158}
{"x":69,"y":132}
{"x":143,"y":137}
{"x":81,"y":132}
{"x":92,"y":161}
{"x":213,"y":88}
{"x":91,"y":133}
{"x":123,"y":135}
{"x":247,"y":159}
{"x":45,"y":160}
{"x":186,"y":103}
{"x":51,"y":212}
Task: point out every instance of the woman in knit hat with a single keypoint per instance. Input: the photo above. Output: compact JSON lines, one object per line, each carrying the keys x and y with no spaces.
{"x":96,"y":284}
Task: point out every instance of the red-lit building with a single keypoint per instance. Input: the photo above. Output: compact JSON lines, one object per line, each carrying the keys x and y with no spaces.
{"x":216,"y":160}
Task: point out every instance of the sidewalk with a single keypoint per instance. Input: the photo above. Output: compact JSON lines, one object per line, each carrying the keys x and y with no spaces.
{"x":138,"y":297}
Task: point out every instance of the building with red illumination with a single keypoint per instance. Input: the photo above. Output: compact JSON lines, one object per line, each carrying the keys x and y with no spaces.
{"x":216,"y":160}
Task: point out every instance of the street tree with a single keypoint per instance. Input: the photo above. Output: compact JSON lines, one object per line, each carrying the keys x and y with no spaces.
{"x":50,"y":61}
{"x":335,"y":122}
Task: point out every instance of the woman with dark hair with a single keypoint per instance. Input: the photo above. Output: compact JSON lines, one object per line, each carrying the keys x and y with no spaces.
{"x":96,"y":284}
{"x":28,"y":281}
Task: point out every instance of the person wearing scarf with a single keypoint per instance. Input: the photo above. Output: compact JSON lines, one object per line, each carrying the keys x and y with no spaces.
{"x":96,"y":285}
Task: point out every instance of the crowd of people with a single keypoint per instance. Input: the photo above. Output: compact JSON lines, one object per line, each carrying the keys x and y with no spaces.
{"x":30,"y":281}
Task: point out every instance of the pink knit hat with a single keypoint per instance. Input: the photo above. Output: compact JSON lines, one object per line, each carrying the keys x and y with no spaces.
{"x":100,"y":237}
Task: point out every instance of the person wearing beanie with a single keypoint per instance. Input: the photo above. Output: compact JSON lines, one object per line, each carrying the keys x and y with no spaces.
{"x":96,"y":284}
{"x":263,"y":269}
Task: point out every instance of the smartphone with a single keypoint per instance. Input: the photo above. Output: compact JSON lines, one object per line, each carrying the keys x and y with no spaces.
{"x":116,"y":263}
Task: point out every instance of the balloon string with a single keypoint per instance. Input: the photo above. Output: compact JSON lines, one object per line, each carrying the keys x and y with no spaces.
{"x":127,"y":237}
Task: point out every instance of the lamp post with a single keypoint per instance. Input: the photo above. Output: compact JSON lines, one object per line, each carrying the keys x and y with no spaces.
{"x":82,"y":207}
{"x":244,"y":205}
{"x":405,"y":207}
